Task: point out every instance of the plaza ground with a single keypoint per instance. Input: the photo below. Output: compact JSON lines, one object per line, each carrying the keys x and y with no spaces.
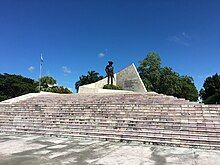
{"x":37,"y":150}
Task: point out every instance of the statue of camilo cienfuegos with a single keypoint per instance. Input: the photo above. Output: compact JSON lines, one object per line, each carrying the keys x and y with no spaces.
{"x":109,"y":69}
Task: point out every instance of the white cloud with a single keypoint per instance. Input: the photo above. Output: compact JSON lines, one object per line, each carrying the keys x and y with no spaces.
{"x":182,"y":39}
{"x":184,"y":34}
{"x":31,"y":69}
{"x":101,"y":54}
{"x":66,"y":70}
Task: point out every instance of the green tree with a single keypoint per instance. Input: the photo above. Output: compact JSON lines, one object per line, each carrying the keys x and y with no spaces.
{"x":188,"y":89}
{"x":46,"y":81}
{"x":48,"y":85}
{"x":58,"y":89}
{"x":149,"y":71}
{"x":210,"y":93}
{"x":15,"y":85}
{"x":91,"y":77}
{"x":164,"y":80}
{"x":170,"y":82}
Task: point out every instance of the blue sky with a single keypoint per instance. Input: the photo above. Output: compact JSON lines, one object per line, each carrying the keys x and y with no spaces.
{"x":80,"y":35}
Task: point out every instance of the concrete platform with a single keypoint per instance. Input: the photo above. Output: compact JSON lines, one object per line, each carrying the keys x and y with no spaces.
{"x":41,"y":150}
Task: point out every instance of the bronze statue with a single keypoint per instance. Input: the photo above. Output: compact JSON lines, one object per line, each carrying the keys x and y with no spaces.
{"x":109,"y":69}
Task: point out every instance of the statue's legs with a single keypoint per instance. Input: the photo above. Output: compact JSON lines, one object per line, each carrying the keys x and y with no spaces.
{"x":108,"y":79}
{"x":111,"y":80}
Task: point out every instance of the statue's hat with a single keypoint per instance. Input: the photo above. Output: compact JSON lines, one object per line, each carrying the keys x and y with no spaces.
{"x":110,"y":62}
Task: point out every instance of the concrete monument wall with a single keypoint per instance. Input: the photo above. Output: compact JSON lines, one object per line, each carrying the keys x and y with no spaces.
{"x":127,"y":78}
{"x":95,"y":87}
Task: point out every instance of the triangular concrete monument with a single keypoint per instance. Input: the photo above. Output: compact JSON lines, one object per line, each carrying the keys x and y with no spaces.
{"x":128,"y":78}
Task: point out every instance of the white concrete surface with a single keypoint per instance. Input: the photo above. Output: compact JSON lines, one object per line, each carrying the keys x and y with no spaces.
{"x":39,"y":150}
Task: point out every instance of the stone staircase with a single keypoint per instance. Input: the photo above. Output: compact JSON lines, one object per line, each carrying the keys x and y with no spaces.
{"x":148,"y":118}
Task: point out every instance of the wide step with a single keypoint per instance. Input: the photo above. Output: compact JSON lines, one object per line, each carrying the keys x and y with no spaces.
{"x":147,"y":118}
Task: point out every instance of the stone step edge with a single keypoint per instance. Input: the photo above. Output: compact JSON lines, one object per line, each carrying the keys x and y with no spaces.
{"x":178,"y":144}
{"x":133,"y":108}
{"x":121,"y":135}
{"x":177,"y":124}
{"x":107,"y":109}
{"x":56,"y":122}
{"x":111,"y":104}
{"x":130,"y":120}
{"x":135,"y":128}
{"x":164,"y":132}
{"x":104,"y":108}
{"x":115,"y":117}
{"x":121,"y":127}
{"x":124,"y":107}
{"x":152,"y":113}
{"x":124,"y":116}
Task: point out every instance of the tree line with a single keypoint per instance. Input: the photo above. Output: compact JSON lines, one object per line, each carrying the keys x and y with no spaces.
{"x":166,"y":81}
{"x":12,"y":85}
{"x":155,"y":78}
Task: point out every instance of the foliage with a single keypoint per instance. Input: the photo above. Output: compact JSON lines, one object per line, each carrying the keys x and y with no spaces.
{"x":3,"y":97}
{"x":210,"y":93}
{"x":165,"y":80}
{"x":149,"y":71}
{"x":114,"y":87}
{"x":57,"y":89}
{"x":15,"y":85}
{"x":91,"y":77}
{"x":46,"y":81}
{"x":170,"y":82}
{"x":188,"y":89}
{"x":48,"y":85}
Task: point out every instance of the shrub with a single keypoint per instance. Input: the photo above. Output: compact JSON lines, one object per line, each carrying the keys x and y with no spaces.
{"x":12,"y":85}
{"x":91,"y":77}
{"x":114,"y":87}
{"x":2,"y":98}
{"x":210,"y":93}
{"x":57,"y":89}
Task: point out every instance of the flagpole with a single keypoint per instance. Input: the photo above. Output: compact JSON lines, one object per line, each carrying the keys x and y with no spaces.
{"x":40,"y":72}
